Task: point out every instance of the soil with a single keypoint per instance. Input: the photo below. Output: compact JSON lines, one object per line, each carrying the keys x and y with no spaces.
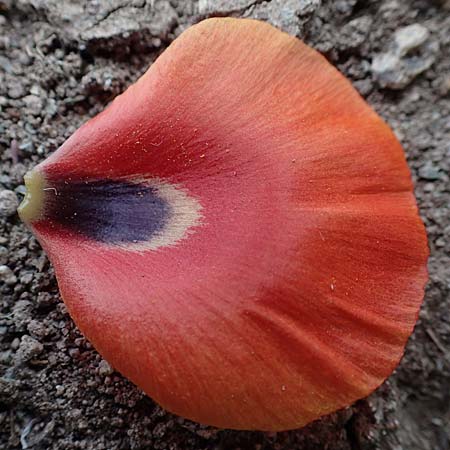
{"x":61,"y":62}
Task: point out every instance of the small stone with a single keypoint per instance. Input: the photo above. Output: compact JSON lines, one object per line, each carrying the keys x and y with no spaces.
{"x":59,"y":390}
{"x":29,"y":348}
{"x":444,"y":85}
{"x":409,"y":38}
{"x":7,"y":276}
{"x":9,"y":390}
{"x":75,"y":413}
{"x":15,"y":343}
{"x":8,"y":203}
{"x":21,"y":189}
{"x":21,"y":314}
{"x":3,"y":254}
{"x":26,"y":146}
{"x":354,"y":33}
{"x":124,"y":26}
{"x":45,"y":299}
{"x":83,"y":425}
{"x":429,"y":172}
{"x":34,"y":104}
{"x":364,"y":87}
{"x":344,"y":7}
{"x":222,"y":6}
{"x":16,"y":91}
{"x":26,"y":278}
{"x":37,"y":329}
{"x":104,"y":369}
{"x":35,"y":90}
{"x":440,"y":242}
{"x":287,"y":15}
{"x":396,"y":68}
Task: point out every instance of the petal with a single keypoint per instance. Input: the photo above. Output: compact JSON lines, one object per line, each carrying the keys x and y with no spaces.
{"x":294,"y":293}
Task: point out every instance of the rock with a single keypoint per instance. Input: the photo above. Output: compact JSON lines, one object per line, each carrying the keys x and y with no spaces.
{"x":7,"y":276}
{"x":397,"y":67}
{"x":37,"y":329}
{"x":21,"y":314}
{"x":354,"y":33}
{"x":429,"y":172}
{"x":26,"y":278}
{"x":409,"y":38}
{"x":132,"y":25}
{"x":344,"y":7}
{"x":5,"y":65}
{"x":104,"y":369}
{"x":444,"y":85}
{"x":206,"y":7}
{"x":364,"y":87}
{"x":16,"y":90}
{"x":34,"y":104}
{"x":3,"y":255}
{"x":113,"y":27}
{"x":287,"y":15}
{"x":29,"y":348}
{"x":100,"y":81}
{"x":8,"y":391}
{"x":8,"y":203}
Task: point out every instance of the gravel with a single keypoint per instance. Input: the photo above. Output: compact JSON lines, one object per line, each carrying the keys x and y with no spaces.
{"x":7,"y":276}
{"x":412,"y":52}
{"x":8,"y":203}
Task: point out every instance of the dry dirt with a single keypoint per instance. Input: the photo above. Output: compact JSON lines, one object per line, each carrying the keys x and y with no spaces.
{"x":61,"y":62}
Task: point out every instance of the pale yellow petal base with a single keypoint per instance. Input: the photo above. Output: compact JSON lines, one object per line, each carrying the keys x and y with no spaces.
{"x":32,"y":205}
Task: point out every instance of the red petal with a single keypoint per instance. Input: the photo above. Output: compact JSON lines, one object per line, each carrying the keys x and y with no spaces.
{"x":295,"y":292}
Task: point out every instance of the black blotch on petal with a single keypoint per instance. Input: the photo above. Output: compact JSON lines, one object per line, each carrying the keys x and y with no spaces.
{"x":107,"y":211}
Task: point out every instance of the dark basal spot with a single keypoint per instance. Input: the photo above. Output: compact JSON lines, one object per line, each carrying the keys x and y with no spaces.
{"x":108,"y":211}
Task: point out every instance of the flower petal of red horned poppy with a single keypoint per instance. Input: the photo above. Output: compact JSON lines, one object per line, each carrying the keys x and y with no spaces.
{"x":237,"y":232}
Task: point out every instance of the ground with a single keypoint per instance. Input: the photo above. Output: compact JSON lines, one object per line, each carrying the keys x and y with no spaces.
{"x":61,"y":62}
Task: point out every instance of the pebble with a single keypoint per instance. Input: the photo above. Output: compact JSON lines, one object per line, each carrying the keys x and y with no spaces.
{"x":429,"y":172}
{"x":222,"y":6}
{"x":8,"y":390}
{"x":59,"y":390}
{"x":409,"y":38}
{"x":397,"y":67}
{"x":283,"y":14}
{"x":29,"y":348}
{"x":26,"y":278}
{"x":37,"y":329}
{"x":354,"y":33}
{"x":34,"y":104}
{"x":21,"y":314}
{"x":3,"y":254}
{"x":364,"y":87}
{"x":16,"y":91}
{"x":7,"y":276}
{"x":104,"y":368}
{"x":8,"y":203}
{"x":444,"y":85}
{"x":440,"y":242}
{"x":15,"y":343}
